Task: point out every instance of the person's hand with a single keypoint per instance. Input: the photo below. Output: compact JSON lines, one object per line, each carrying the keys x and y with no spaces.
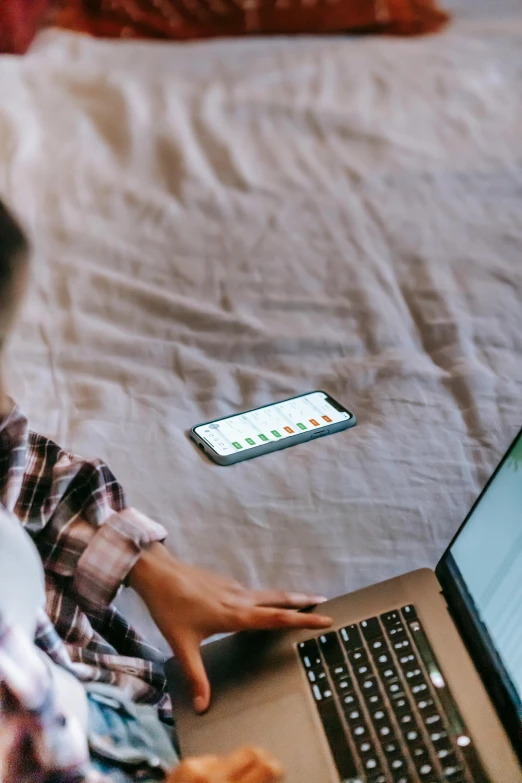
{"x":248,"y":765}
{"x":189,"y":604}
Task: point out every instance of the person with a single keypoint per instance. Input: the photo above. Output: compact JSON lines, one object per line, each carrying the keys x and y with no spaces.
{"x":82,"y":693}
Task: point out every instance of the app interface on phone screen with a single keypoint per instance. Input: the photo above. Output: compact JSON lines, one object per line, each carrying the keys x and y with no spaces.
{"x":273,"y":423}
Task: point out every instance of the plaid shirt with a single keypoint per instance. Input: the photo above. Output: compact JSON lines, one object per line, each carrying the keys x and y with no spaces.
{"x":89,"y":540}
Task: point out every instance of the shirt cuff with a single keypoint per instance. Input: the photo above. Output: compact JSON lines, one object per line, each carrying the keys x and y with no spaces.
{"x":111,"y":554}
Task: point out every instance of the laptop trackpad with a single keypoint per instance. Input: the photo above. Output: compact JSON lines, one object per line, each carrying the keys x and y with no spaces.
{"x":285,"y":726}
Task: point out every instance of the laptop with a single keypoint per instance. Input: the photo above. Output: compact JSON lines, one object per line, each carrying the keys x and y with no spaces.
{"x":418,"y":681}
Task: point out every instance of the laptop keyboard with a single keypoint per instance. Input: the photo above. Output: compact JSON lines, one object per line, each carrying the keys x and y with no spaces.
{"x":384,"y":705}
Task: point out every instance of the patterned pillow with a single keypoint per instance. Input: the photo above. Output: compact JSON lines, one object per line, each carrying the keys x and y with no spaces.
{"x":19,"y":21}
{"x":189,"y":19}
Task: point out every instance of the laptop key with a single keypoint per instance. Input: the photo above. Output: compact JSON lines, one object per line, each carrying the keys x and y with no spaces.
{"x":349,"y":700}
{"x":414,"y":676}
{"x":354,"y":715}
{"x":371,"y":628}
{"x":425,"y":770}
{"x":420,"y":689}
{"x":394,"y":688}
{"x":396,"y":631}
{"x":383,"y":659}
{"x":372,"y":765}
{"x":412,"y":736}
{"x":397,"y":766}
{"x":452,"y":772}
{"x":374,"y":700}
{"x":359,"y":728}
{"x":433,"y":721}
{"x":391,"y":746}
{"x":356,"y":657}
{"x":438,"y":737}
{"x":309,"y":653}
{"x":379,"y":717}
{"x":443,"y":747}
{"x":454,"y":775}
{"x":339,"y":671}
{"x":406,"y":721}
{"x":378,"y":646}
{"x":408,"y":661}
{"x":343,"y":686}
{"x":363,"y":670}
{"x":420,"y":754}
{"x":409,"y":612}
{"x":365,"y":748}
{"x":331,"y":649}
{"x":389,"y":673}
{"x":424,"y":704}
{"x":391,"y":618}
{"x":402,"y":644}
{"x":400,"y":706}
{"x":368,"y":685}
{"x":316,"y":675}
{"x":384,"y":732}
{"x":351,"y":638}
{"x":322,"y":692}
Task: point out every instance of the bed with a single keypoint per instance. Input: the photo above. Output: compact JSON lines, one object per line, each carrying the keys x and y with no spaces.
{"x":223,"y":224}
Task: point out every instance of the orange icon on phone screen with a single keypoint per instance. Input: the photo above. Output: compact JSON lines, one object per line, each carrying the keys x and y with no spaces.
{"x":314,"y":422}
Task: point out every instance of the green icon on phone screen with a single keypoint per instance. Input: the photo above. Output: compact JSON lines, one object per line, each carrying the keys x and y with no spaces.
{"x":237,"y":445}
{"x":250,"y":442}
{"x":262,"y":437}
{"x":301,"y":425}
{"x":276,"y":434}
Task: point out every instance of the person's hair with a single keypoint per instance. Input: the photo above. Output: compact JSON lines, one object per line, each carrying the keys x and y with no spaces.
{"x":13,"y":247}
{"x":14,"y":252}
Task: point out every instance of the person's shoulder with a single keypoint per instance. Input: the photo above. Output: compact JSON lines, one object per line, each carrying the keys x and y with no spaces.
{"x":45,"y":446}
{"x":44,"y":449}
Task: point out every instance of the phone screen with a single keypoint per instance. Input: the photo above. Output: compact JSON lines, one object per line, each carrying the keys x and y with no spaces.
{"x":272,"y":423}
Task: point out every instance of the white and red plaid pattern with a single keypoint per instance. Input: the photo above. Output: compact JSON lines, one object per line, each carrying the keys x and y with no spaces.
{"x":89,"y":540}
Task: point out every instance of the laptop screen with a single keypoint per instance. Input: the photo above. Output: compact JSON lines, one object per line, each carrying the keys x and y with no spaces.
{"x":486,"y":561}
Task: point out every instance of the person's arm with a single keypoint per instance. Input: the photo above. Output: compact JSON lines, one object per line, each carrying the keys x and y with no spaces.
{"x":76,"y":512}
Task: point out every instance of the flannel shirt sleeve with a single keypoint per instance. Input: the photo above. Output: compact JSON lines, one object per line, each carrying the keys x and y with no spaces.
{"x":76,"y":512}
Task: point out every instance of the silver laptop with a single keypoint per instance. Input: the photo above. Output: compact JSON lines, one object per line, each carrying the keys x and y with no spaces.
{"x":420,"y":678}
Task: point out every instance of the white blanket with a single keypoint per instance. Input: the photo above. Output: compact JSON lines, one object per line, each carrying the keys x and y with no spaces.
{"x":220,"y":225}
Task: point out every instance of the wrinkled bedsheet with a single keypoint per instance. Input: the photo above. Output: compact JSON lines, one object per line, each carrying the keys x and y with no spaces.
{"x":220,"y":225}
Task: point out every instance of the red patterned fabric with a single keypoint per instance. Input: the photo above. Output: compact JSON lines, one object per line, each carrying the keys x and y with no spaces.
{"x":19,"y":21}
{"x":189,"y":19}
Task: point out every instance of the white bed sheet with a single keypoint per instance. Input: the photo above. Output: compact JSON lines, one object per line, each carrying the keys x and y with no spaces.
{"x":221,"y":225}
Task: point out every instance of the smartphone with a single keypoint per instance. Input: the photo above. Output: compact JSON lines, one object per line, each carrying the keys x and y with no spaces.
{"x":272,"y":427}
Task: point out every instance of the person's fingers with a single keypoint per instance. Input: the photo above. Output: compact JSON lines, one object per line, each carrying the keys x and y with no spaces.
{"x":286,"y":599}
{"x":247,"y":765}
{"x":187,"y":650}
{"x":195,"y":770}
{"x":253,"y":765}
{"x":262,"y":775}
{"x":262,"y":618}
